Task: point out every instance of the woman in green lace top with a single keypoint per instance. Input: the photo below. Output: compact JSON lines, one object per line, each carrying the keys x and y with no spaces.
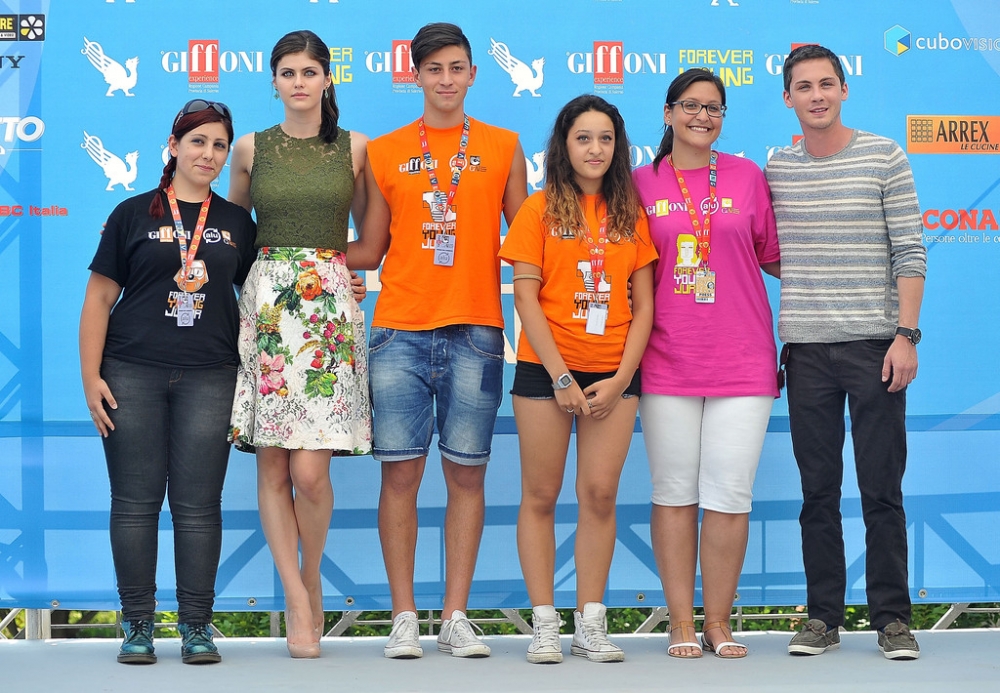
{"x":302,"y":389}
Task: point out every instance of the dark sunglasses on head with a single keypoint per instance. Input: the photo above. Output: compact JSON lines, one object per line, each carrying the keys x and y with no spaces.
{"x":196,"y":105}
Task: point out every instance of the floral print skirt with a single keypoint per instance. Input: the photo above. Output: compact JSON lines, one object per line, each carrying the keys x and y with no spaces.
{"x":303,"y":376}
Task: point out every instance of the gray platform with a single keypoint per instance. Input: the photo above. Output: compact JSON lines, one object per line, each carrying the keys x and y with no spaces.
{"x":951,"y":661}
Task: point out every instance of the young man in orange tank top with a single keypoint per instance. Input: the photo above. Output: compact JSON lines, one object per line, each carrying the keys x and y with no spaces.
{"x":437,"y":188}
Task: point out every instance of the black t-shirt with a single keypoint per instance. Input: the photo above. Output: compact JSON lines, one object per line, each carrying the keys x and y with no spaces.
{"x":142,"y":255}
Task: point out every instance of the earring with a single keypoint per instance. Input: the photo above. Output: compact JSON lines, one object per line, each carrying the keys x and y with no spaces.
{"x":326,"y":93}
{"x":276,"y":96}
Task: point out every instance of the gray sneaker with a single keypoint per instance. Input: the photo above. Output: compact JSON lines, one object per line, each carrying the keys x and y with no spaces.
{"x":896,"y":642}
{"x":404,"y":639}
{"x":545,"y":647}
{"x":458,"y":637}
{"x":590,"y":638}
{"x":815,"y":639}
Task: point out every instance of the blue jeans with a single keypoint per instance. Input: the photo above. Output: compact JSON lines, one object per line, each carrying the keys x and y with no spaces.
{"x":458,"y":368}
{"x":169,"y":440}
{"x":820,"y":378}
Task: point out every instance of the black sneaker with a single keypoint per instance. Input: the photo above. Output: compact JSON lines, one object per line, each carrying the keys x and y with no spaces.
{"x":138,"y":645}
{"x":814,"y":639}
{"x":196,"y":644}
{"x":896,"y":642}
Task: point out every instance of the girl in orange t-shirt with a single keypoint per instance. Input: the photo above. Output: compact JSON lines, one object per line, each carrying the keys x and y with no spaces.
{"x":575,"y":247}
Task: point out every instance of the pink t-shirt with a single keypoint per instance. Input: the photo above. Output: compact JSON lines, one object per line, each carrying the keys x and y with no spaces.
{"x":726,"y":348}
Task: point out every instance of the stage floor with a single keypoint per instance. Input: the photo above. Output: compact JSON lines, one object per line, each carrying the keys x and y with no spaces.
{"x":954,"y":660}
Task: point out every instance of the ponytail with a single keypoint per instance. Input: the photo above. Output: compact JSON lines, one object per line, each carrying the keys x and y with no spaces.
{"x":331,"y":115}
{"x":666,"y":147}
{"x":156,"y":206}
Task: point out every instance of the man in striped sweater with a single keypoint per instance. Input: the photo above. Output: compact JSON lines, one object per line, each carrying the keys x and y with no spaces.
{"x":852,"y":279}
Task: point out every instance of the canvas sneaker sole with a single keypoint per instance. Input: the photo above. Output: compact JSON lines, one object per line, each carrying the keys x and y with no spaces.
{"x":545,"y":657}
{"x":598,"y":656}
{"x":899,"y":654}
{"x":471,"y":651}
{"x":812,"y":649}
{"x":403,"y":652}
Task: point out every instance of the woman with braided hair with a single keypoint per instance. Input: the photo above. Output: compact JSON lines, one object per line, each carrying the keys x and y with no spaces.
{"x":158,"y":357}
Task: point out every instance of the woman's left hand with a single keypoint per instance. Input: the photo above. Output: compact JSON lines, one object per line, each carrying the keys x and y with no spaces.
{"x":603,"y":396}
{"x":358,"y":287}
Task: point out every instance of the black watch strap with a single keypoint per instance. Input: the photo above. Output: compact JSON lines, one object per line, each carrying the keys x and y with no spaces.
{"x":911,"y":333}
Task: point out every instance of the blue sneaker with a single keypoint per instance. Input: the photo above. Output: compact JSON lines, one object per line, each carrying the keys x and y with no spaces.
{"x":196,"y":644}
{"x":138,"y":645}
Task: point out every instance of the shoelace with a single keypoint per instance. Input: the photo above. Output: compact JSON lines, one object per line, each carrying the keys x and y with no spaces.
{"x":463,"y":631}
{"x":547,"y":637}
{"x":199,"y":631}
{"x":596,"y":630}
{"x":405,"y":629}
{"x":140,"y":629}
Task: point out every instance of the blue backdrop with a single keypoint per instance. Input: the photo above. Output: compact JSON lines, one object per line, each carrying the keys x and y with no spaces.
{"x":88,"y":90}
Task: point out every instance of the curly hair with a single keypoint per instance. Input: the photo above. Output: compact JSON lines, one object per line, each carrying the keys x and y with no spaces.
{"x":562,"y":193}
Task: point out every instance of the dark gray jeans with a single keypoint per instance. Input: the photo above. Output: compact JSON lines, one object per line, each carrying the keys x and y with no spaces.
{"x":820,"y":378}
{"x":169,"y":441}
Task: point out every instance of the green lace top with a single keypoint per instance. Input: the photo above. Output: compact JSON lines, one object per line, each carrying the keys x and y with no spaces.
{"x":301,"y":190}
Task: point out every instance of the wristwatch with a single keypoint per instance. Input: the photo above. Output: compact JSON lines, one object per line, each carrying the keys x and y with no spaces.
{"x":913,"y":334}
{"x":562,"y":382}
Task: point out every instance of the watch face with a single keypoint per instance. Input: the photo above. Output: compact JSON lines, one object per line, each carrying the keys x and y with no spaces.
{"x":915,"y":336}
{"x":564,"y":381}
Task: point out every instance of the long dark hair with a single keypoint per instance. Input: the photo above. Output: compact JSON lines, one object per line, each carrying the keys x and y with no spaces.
{"x":674,"y":92}
{"x":182,"y":126}
{"x":562,"y":194}
{"x":305,"y":41}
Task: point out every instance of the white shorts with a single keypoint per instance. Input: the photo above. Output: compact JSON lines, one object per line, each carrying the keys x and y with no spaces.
{"x":704,"y":450}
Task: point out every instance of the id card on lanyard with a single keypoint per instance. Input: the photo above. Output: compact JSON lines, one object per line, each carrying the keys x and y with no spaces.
{"x":193,"y":274}
{"x":444,"y":243}
{"x":597,"y":310}
{"x":704,"y":277}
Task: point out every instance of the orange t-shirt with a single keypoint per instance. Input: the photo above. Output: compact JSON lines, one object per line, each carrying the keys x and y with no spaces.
{"x":568,"y":286}
{"x":417,"y":294}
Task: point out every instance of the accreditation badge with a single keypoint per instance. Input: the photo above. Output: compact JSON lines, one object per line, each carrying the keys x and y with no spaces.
{"x":597,"y":317}
{"x":444,"y":249}
{"x":704,"y":286}
{"x":185,"y":310}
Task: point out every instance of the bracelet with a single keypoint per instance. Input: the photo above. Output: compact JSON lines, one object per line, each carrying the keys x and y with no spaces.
{"x":527,"y":276}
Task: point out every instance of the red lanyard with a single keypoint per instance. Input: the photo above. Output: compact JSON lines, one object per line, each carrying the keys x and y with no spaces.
{"x":597,"y":252}
{"x":703,"y":236}
{"x":456,"y":174}
{"x":187,"y":254}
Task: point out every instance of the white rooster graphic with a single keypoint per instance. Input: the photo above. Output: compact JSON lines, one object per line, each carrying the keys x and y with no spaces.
{"x":118,"y":78}
{"x":521,"y":75}
{"x":536,"y":170}
{"x":119,"y":172}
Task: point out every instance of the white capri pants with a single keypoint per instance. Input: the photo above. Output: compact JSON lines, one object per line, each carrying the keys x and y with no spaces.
{"x":704,"y":450}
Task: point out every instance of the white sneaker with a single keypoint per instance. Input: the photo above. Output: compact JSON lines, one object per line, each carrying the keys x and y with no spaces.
{"x":545,"y":647}
{"x":591,"y":637}
{"x":404,"y":640}
{"x":458,"y":637}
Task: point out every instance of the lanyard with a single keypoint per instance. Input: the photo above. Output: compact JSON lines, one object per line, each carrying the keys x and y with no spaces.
{"x":187,"y":254}
{"x":703,"y":235}
{"x":456,"y":172}
{"x":597,"y":252}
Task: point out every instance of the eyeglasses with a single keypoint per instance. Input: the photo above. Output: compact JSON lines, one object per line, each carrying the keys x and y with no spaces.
{"x":196,"y":105}
{"x":715,"y":110}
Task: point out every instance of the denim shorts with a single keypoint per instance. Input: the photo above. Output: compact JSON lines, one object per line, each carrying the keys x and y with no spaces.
{"x":456,"y":369}
{"x":531,"y":380}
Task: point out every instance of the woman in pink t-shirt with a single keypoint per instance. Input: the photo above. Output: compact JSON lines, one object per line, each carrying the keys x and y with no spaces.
{"x":708,"y":373}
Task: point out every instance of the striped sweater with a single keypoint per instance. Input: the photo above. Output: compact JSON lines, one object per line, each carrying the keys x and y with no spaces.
{"x":848,"y":226}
